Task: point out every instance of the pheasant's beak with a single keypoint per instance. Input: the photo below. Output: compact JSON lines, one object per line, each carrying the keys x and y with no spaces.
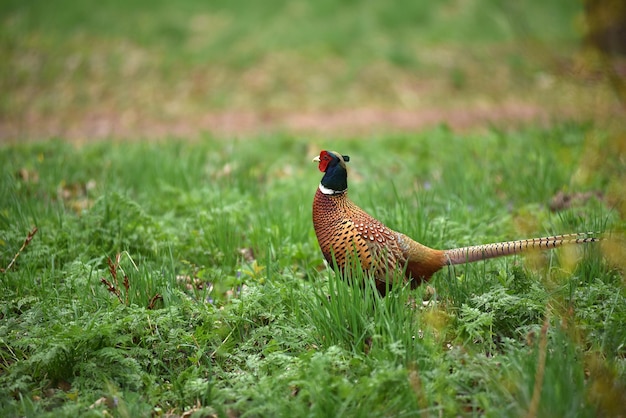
{"x":316,"y":159}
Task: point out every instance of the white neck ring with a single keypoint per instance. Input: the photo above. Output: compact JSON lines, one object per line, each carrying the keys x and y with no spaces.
{"x":328,"y":191}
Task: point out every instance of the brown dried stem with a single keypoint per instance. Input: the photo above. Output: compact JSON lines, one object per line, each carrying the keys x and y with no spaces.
{"x":27,"y":241}
{"x":113,"y":286}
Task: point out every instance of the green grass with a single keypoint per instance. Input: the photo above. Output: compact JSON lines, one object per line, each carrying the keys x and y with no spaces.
{"x":230,"y":311}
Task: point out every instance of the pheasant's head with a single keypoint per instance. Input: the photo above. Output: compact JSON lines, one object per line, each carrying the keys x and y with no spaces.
{"x":333,"y":165}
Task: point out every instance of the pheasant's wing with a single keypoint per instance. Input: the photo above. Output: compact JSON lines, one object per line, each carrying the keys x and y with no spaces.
{"x":383,"y":253}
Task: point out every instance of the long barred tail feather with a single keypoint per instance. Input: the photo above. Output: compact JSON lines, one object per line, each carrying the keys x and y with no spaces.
{"x":482,"y":252}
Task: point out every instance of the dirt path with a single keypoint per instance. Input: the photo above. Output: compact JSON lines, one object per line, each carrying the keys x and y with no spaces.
{"x":93,"y":125}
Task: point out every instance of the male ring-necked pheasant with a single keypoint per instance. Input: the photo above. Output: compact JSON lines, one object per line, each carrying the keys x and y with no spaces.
{"x":343,"y":229}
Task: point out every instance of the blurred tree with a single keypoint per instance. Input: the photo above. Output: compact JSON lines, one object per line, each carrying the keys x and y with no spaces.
{"x":606,"y":21}
{"x":606,"y":32}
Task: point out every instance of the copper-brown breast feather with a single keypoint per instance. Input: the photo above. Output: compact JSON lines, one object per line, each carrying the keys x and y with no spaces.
{"x":335,"y":229}
{"x":342,"y":227}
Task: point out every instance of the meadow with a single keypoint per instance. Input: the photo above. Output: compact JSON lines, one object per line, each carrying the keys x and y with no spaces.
{"x":176,"y":276}
{"x":152,"y":266}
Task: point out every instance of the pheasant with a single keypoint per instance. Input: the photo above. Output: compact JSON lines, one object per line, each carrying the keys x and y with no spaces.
{"x":344,"y":230}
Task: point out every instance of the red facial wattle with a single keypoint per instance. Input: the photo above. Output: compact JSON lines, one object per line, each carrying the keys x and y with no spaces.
{"x":325,"y":158}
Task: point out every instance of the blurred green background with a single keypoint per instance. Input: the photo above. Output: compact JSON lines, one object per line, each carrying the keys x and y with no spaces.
{"x":86,"y":69}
